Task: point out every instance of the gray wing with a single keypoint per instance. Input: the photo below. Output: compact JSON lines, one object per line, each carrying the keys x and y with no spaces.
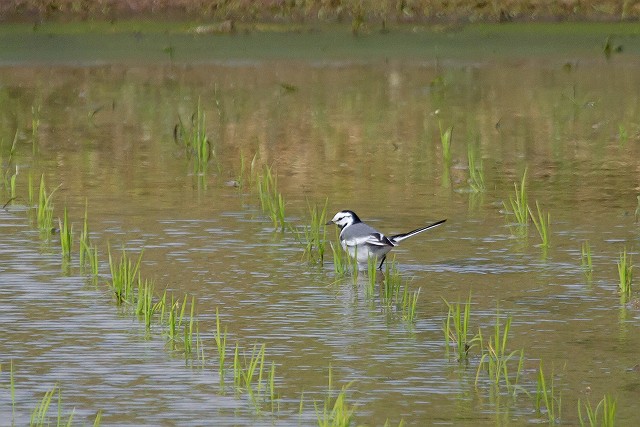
{"x":363,"y":234}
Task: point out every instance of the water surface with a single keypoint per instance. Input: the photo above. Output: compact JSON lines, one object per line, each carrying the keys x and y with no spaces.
{"x":363,"y":134}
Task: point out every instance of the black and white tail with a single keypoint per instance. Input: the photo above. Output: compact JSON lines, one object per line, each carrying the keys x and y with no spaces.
{"x":400,"y":237}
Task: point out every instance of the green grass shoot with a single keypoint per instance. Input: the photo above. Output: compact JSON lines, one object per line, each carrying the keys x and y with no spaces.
{"x":144,"y":302}
{"x":409,"y":304}
{"x":44,"y":208}
{"x":66,"y":236}
{"x":88,"y":252}
{"x":603,"y":415}
{"x":123,"y":276}
{"x":496,"y":360}
{"x":220,"y":338}
{"x":315,"y":234}
{"x":625,"y":273}
{"x":518,"y":206}
{"x":476,"y":172}
{"x":193,"y":138}
{"x":586,"y":262}
{"x":271,"y":200}
{"x":343,"y":264}
{"x":542,"y":224}
{"x":456,"y":329}
{"x":546,"y":396}
{"x":636,"y":214}
{"x":335,"y":412}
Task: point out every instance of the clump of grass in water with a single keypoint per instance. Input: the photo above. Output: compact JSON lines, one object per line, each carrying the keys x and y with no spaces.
{"x":495,"y":359}
{"x":456,"y":329}
{"x":194,"y":140}
{"x":546,"y":395}
{"x":343,"y":264}
{"x":542,"y":225}
{"x":66,"y":236}
{"x":625,"y":274}
{"x":518,"y":203}
{"x":123,"y":276}
{"x":271,"y":200}
{"x":336,"y":412}
{"x":586,"y":263}
{"x":476,"y":172}
{"x":144,"y":302}
{"x":220,"y":338}
{"x":606,"y":409}
{"x":44,"y":209}
{"x":315,"y":234}
{"x":88,"y":252}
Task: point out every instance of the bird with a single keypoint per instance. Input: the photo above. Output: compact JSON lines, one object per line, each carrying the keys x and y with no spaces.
{"x":362,"y":242}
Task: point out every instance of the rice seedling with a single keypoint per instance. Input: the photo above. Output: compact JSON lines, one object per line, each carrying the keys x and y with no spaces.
{"x":586,"y":263}
{"x":496,"y":361}
{"x":476,"y":172}
{"x":518,"y":203}
{"x":220,"y":338}
{"x":636,"y":214}
{"x":315,"y":234}
{"x":372,"y":274}
{"x":603,"y":415}
{"x":271,"y":200}
{"x":546,"y":395}
{"x":342,"y":263}
{"x":39,"y":415}
{"x":456,"y":329}
{"x":625,"y":273}
{"x":194,"y":140}
{"x":66,"y":236}
{"x":88,"y":252}
{"x":409,"y":304}
{"x":336,"y":412}
{"x":541,"y":224}
{"x":144,"y":303}
{"x":44,"y":209}
{"x":445,"y":142}
{"x":123,"y":276}
{"x":189,"y":329}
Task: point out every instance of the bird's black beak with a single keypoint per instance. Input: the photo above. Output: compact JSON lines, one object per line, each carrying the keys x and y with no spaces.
{"x":329,"y":223}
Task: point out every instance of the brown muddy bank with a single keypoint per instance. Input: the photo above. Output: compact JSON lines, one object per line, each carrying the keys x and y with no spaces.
{"x":358,"y":12}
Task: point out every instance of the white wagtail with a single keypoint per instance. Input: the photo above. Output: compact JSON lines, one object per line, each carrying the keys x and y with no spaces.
{"x":361,"y":241}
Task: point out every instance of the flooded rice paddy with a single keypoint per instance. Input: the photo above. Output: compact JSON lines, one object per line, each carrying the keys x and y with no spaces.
{"x":364,"y":135}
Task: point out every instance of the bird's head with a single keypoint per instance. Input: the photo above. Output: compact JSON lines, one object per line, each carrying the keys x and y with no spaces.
{"x":344,"y":218}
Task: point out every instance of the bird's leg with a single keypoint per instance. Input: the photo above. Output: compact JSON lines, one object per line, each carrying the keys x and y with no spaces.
{"x":382,"y":262}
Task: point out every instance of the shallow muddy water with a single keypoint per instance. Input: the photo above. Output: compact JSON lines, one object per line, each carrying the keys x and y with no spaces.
{"x":363,"y":135}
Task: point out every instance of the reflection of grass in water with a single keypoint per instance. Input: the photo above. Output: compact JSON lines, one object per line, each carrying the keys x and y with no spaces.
{"x":192,"y":136}
{"x":603,"y":415}
{"x":586,"y":263}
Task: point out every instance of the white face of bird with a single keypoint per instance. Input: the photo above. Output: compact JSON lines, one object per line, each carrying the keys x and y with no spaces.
{"x":344,"y":218}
